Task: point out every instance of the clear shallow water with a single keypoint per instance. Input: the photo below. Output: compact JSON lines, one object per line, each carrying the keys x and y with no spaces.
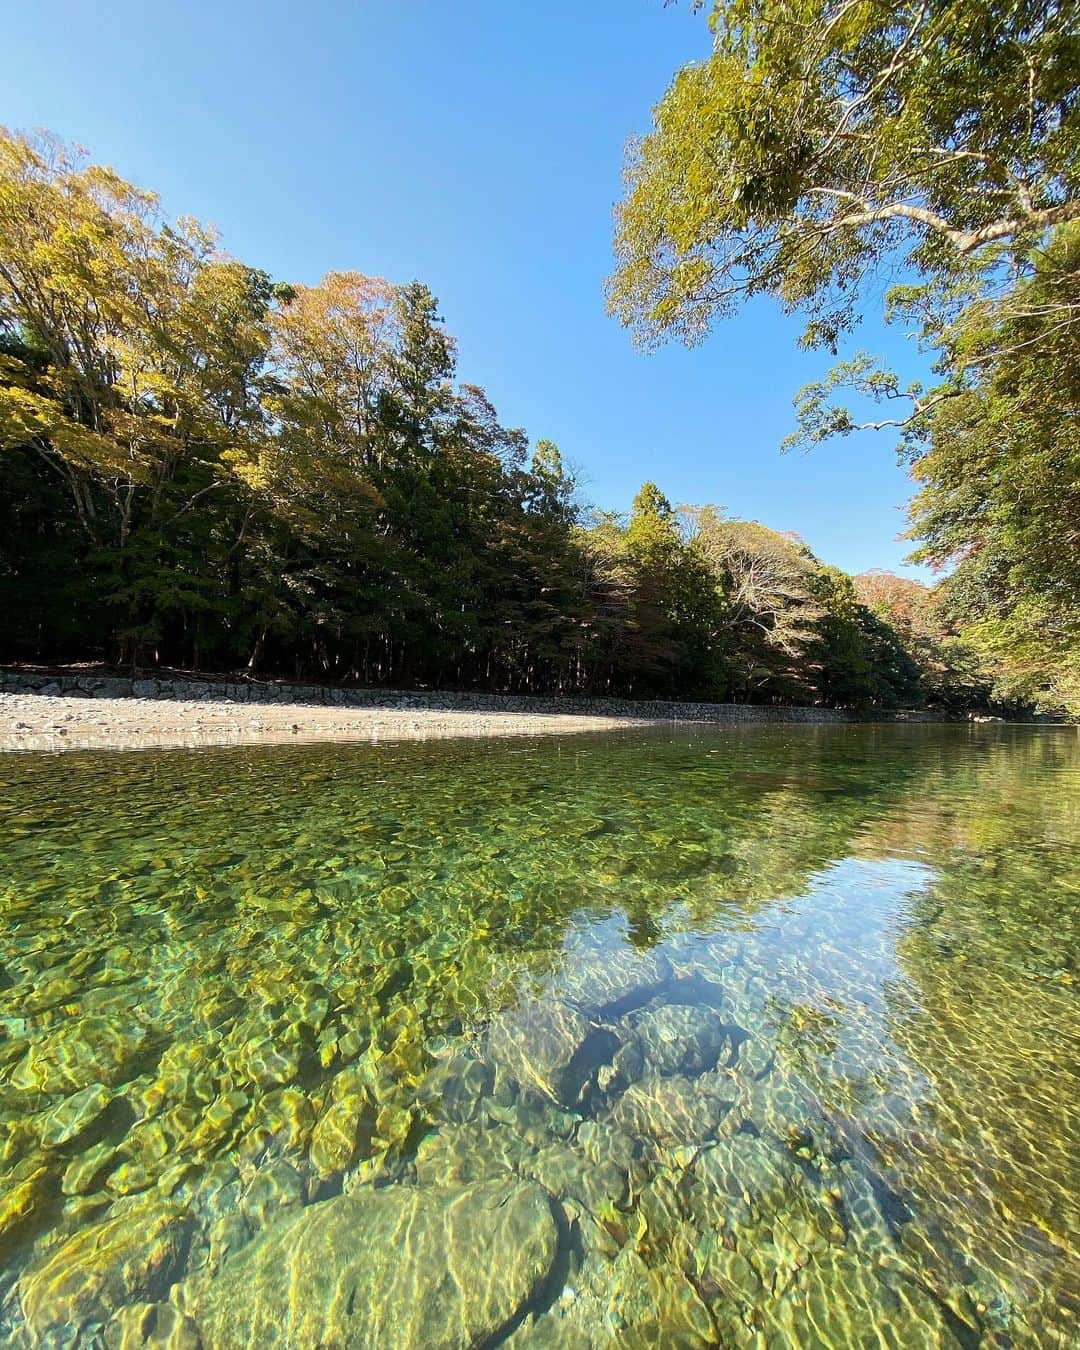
{"x":756,"y":1037}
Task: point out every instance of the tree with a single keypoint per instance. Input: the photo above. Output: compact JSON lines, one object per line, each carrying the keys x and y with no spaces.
{"x":824,"y":140}
{"x":766,"y":605}
{"x":1000,"y":499}
{"x":862,"y":659}
{"x":824,"y":149}
{"x":131,"y":373}
{"x":673,"y":598}
{"x":202,"y":466}
{"x":606,"y":580}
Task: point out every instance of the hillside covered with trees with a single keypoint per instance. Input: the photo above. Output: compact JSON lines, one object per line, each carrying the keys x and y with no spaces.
{"x":201,"y":466}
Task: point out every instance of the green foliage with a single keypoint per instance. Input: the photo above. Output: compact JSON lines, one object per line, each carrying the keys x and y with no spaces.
{"x":767,"y":614}
{"x":863,"y":659}
{"x":824,"y":139}
{"x":1000,"y":496}
{"x":826,"y":147}
{"x":200,"y":466}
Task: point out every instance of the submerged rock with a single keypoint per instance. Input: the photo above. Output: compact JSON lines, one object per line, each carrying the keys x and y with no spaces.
{"x":550,"y":1048}
{"x":566,"y":1173}
{"x":457,"y":1087}
{"x":401,"y":1266}
{"x":602,"y":1142}
{"x":469,"y":1153}
{"x":152,"y":1326}
{"x":137,"y":1255}
{"x":273,"y":1189}
{"x":627,"y":1066}
{"x":339,"y":1134}
{"x":86,"y":1168}
{"x":680,"y":1038}
{"x":745,"y":1180}
{"x":672,"y":1112}
{"x":279,"y":1120}
{"x":602,"y":971}
{"x":268,"y":1062}
{"x":81,"y":1053}
{"x":70,"y":1117}
{"x":24,"y":1192}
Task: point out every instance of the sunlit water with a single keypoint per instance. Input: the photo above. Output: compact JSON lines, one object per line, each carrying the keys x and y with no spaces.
{"x":762,"y":1037}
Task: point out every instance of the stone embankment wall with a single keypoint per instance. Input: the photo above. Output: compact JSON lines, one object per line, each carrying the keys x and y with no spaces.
{"x":403,"y":700}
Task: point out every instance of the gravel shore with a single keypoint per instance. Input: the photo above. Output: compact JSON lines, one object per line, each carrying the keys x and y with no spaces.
{"x":48,"y":722}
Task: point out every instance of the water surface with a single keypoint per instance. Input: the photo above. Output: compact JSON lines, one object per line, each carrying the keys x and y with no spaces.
{"x":749,"y":1037}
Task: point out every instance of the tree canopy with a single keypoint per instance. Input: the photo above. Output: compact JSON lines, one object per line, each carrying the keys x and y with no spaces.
{"x":824,"y":140}
{"x":201,"y":466}
{"x":831,"y":152}
{"x":999,"y":500}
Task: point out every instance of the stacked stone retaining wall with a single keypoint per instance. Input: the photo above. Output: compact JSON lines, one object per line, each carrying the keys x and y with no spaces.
{"x":254,"y":691}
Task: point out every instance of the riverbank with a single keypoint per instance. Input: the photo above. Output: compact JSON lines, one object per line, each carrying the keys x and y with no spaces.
{"x":81,"y":710}
{"x":58,"y":722}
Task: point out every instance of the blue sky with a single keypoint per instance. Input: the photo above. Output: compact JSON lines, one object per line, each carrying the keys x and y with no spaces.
{"x":476,"y":146}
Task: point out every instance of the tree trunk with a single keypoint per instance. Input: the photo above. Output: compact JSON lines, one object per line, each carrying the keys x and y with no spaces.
{"x":257,"y":652}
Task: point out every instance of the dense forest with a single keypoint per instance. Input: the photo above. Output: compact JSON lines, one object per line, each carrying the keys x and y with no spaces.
{"x":203,"y":467}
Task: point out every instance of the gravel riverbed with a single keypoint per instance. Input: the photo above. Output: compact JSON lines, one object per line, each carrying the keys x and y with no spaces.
{"x":51,"y":722}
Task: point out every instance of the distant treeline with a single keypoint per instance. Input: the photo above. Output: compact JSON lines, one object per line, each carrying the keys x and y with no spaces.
{"x":201,"y":467}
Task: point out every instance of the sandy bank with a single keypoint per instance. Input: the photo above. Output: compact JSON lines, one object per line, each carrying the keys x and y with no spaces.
{"x":37,"y":722}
